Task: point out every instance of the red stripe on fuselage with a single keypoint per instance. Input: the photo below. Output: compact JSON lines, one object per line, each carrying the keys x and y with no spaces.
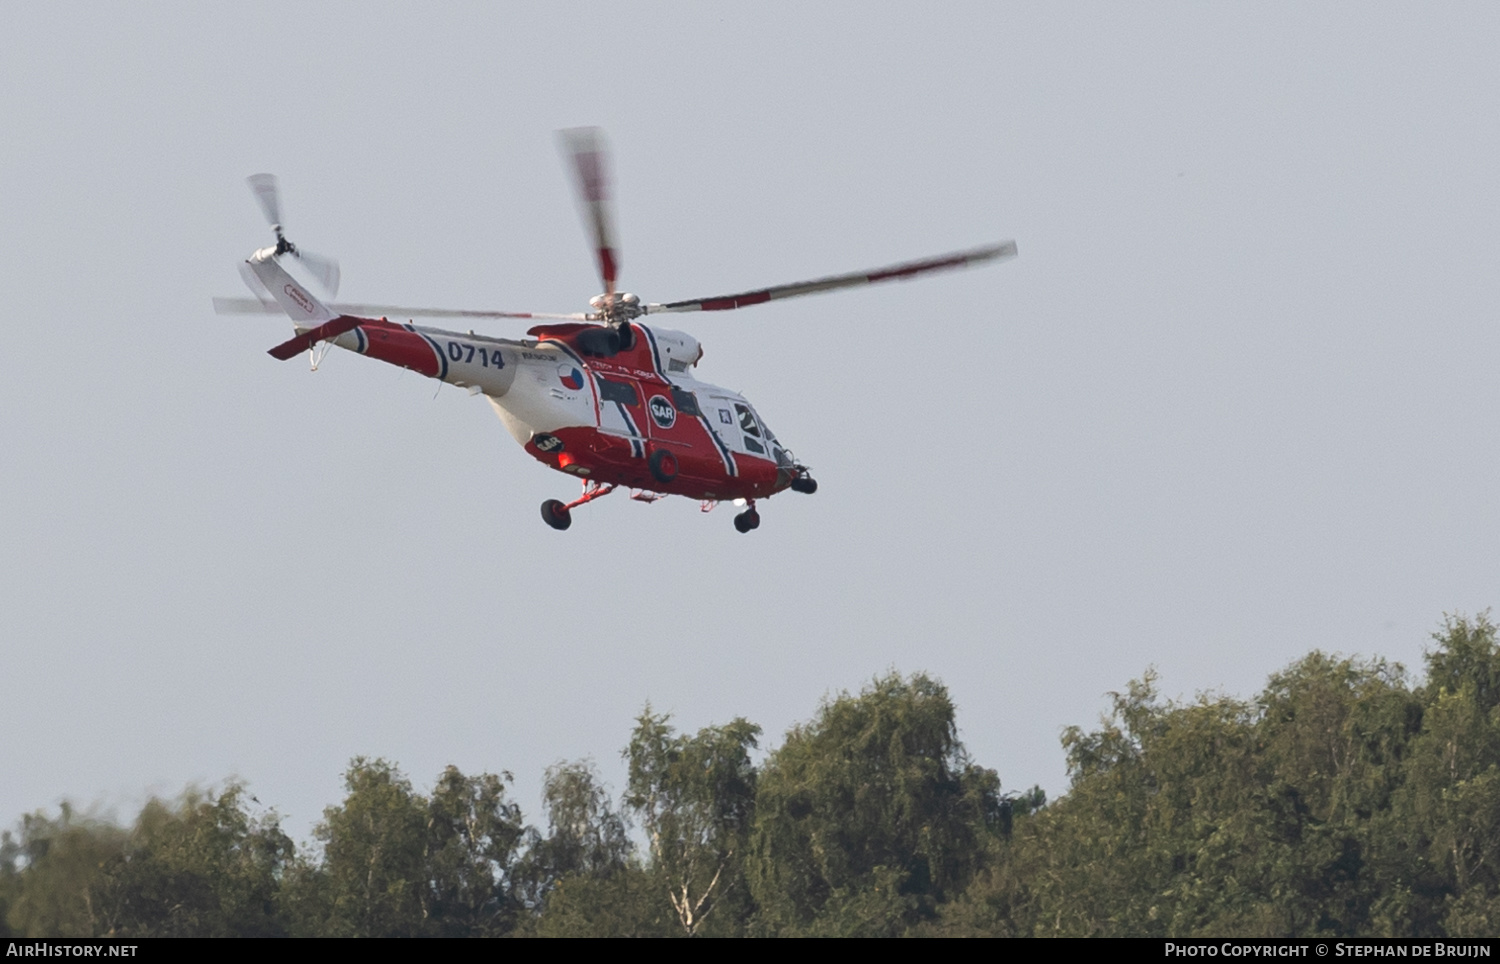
{"x":612,"y":459}
{"x":395,"y":345}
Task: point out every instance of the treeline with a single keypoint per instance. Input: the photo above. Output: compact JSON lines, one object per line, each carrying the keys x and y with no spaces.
{"x":1345,"y":799}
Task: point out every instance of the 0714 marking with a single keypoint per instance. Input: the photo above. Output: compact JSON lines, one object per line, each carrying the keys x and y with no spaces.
{"x":489,"y":359}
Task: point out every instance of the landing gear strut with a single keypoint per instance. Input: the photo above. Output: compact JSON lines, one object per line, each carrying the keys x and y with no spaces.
{"x":747,"y":520}
{"x":560,"y":516}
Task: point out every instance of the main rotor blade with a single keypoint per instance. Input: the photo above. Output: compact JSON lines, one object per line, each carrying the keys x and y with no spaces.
{"x":960,"y":259}
{"x":589,"y":154}
{"x":250,"y":306}
{"x":263,"y":186}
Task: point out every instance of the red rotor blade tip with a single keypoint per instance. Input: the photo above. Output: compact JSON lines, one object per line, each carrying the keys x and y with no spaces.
{"x":590,"y":159}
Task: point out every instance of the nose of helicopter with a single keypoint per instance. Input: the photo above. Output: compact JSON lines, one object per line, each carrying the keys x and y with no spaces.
{"x":793,"y":475}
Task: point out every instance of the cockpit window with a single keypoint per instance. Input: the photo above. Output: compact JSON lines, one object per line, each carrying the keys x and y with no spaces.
{"x":747,"y":421}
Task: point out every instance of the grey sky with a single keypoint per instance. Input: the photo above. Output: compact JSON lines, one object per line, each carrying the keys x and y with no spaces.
{"x":1233,"y":401}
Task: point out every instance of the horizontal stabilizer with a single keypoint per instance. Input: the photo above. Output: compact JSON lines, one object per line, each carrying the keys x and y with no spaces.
{"x":324,"y":332}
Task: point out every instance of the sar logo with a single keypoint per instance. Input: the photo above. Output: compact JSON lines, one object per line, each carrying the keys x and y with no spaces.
{"x":662,"y":412}
{"x":547,"y":443}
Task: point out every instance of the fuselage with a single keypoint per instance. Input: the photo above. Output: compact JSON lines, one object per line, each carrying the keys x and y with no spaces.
{"x":609,"y":406}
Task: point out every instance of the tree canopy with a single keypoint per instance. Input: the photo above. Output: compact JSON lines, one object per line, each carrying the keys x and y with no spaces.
{"x":1347,"y":798}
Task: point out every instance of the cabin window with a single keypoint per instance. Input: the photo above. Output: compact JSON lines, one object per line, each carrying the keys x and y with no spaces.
{"x":685,"y":402}
{"x":613,"y":391}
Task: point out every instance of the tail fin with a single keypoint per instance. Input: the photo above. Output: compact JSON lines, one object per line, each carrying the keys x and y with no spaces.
{"x":294,"y":299}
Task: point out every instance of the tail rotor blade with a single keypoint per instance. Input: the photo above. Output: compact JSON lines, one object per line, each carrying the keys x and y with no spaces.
{"x":326,"y":270}
{"x":263,"y":186}
{"x":589,"y":155}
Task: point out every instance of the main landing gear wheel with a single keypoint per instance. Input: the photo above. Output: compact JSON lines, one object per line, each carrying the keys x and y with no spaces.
{"x":747,"y":520}
{"x":556,"y":515}
{"x":663,"y":466}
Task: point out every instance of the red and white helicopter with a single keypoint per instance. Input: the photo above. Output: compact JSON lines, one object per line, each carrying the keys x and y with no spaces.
{"x":598,"y":394}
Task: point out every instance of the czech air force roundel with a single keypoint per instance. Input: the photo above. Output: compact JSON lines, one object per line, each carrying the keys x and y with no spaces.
{"x":571,"y":377}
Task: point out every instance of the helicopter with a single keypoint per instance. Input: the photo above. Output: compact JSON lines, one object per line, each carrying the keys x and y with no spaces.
{"x":598,"y":395}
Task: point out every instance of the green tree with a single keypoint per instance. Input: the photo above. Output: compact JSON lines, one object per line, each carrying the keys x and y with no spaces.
{"x":1445,"y":827}
{"x":1466,"y":659}
{"x":397,"y":863}
{"x":870,"y":816}
{"x":1336,"y":736}
{"x":1222,"y":817}
{"x":374,"y":844}
{"x":585,"y":836}
{"x":695,"y":798}
{"x":200,"y":867}
{"x":472,"y":836}
{"x":10,"y":880}
{"x":583,"y":879}
{"x":60,"y":863}
{"x":626,"y":903}
{"x":1096,"y":862}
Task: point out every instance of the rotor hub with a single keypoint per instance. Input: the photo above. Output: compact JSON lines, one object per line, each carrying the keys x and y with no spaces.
{"x":283,"y":246}
{"x":617,"y":308}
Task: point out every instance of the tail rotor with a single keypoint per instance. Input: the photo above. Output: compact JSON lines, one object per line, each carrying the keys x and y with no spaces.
{"x":326,"y":270}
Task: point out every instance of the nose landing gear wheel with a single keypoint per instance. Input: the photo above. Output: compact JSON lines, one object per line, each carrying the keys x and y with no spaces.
{"x":805,"y":484}
{"x":556,"y":515}
{"x":747,"y":520}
